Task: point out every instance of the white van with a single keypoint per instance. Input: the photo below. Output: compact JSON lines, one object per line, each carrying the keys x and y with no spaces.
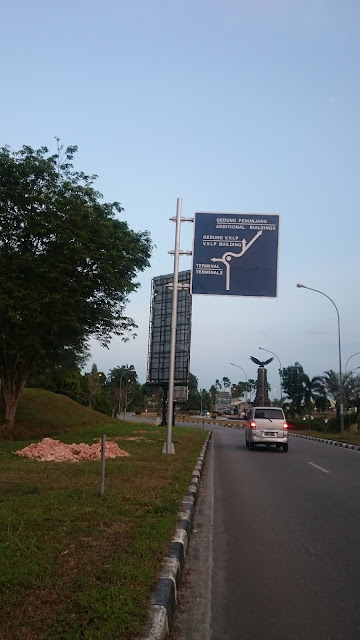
{"x":266,"y":425}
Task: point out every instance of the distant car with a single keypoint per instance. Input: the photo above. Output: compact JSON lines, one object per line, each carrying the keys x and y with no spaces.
{"x":266,"y":425}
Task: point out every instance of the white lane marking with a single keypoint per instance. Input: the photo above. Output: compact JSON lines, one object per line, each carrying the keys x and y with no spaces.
{"x":317,"y":467}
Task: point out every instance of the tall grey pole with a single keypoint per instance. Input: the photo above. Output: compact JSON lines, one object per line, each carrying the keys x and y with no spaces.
{"x":170,"y":409}
{"x":341,"y":389}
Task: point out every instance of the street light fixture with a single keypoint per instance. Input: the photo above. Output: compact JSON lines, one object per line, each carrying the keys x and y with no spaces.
{"x":353,"y":369}
{"x":341,"y":389}
{"x":274,"y":354}
{"x":354,"y":354}
{"x":246,"y":388}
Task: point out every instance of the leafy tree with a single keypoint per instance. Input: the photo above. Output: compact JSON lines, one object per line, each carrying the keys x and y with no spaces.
{"x":62,"y":374}
{"x":67,"y":265}
{"x":252,"y":387}
{"x":93,"y":383}
{"x":194,"y":396}
{"x":137,"y":396}
{"x":239,"y":390}
{"x":292,"y":383}
{"x":205,"y":400}
{"x":120,"y":380}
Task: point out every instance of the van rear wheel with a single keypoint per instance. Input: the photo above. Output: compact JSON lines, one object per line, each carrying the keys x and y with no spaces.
{"x":246,"y":442}
{"x":285,"y":447}
{"x":252,"y":446}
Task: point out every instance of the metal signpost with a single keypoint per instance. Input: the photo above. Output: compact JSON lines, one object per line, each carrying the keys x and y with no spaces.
{"x":176,"y":252}
{"x":235,"y":254}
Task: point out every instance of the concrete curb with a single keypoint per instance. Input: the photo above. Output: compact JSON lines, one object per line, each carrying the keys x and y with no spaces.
{"x":164,"y":598}
{"x":218,"y":424}
{"x":334,"y":443}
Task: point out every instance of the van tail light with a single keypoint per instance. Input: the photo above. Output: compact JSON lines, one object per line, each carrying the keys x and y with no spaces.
{"x":285,"y":425}
{"x":252,"y":424}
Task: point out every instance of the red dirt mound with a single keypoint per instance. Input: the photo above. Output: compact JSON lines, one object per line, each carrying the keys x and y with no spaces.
{"x":49,"y":450}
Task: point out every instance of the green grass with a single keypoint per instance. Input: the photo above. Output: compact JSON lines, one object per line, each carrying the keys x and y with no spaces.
{"x":74,"y":565}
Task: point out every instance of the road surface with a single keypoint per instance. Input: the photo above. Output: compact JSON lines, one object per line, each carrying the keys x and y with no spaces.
{"x":275,"y":549}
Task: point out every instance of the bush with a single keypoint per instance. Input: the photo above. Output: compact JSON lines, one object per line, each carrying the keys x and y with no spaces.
{"x":138,"y":412}
{"x":318,"y":424}
{"x":349,"y":418}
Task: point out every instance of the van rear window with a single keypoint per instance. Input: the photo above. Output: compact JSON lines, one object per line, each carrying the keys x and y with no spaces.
{"x":272,"y":414}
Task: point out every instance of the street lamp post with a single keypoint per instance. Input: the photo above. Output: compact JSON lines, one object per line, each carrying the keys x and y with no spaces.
{"x":274,"y":354}
{"x":341,"y":389}
{"x":121,"y":377}
{"x":354,"y":354}
{"x":246,"y":388}
{"x":126,"y":398}
{"x":201,"y":407}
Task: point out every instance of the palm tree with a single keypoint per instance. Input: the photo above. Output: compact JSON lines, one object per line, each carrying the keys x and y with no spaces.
{"x":226,"y":382}
{"x":252,"y":387}
{"x":351,"y":389}
{"x":313,"y":388}
{"x":212,"y":393}
{"x":218,"y":384}
{"x":331,"y":381}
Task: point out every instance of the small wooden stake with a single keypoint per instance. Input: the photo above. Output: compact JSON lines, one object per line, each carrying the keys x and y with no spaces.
{"x":102,"y":466}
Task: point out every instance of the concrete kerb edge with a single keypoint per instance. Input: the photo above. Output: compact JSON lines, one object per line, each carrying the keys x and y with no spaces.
{"x":164,"y":598}
{"x":218,"y":424}
{"x":334,"y":443}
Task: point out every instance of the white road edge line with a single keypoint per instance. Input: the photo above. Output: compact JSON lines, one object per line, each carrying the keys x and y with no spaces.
{"x":317,"y":467}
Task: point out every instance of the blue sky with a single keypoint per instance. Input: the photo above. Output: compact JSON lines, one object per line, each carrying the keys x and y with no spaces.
{"x":232,"y":105}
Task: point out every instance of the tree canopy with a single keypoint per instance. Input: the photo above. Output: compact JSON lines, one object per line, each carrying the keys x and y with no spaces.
{"x":67,"y":264}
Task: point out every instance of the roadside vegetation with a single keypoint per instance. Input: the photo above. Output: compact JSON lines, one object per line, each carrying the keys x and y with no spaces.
{"x":74,"y":565}
{"x":67,"y":266}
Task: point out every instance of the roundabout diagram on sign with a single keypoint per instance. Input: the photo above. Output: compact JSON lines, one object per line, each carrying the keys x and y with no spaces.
{"x":228,"y":255}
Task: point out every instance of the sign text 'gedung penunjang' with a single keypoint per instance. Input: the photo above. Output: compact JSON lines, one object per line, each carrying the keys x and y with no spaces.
{"x":235,"y":254}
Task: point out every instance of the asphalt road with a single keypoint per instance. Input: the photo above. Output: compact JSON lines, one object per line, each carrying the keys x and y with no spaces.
{"x":275,"y":549}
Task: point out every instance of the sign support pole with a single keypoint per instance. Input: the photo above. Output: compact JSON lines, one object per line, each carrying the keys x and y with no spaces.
{"x":170,"y":408}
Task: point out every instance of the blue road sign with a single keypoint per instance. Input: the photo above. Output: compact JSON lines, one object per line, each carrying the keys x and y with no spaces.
{"x":235,"y":254}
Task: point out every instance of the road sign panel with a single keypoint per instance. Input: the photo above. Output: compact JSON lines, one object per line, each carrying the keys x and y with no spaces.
{"x":235,"y":254}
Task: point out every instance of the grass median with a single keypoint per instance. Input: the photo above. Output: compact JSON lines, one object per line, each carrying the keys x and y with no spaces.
{"x":74,"y":565}
{"x":348,"y":438}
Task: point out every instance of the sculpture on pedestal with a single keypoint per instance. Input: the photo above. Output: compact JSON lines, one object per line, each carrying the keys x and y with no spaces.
{"x":262,"y":395}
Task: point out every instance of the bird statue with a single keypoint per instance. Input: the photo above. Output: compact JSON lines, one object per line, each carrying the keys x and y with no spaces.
{"x":261,"y":364}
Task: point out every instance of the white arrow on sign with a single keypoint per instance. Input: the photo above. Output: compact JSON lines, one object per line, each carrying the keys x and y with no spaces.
{"x":226,"y":258}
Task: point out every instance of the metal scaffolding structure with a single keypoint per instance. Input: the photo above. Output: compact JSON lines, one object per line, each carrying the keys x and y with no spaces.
{"x":158,"y":364}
